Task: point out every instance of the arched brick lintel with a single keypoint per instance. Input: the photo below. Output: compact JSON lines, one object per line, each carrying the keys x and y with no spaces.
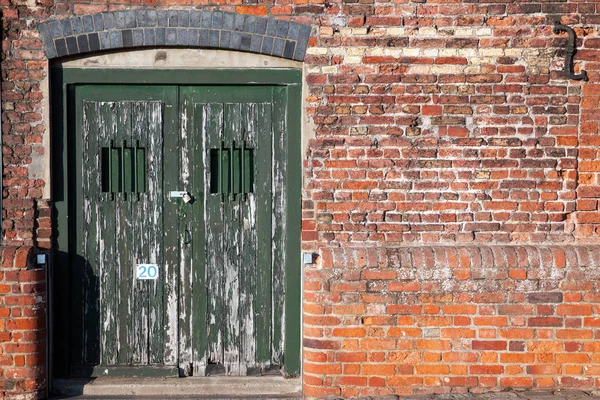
{"x":174,"y":28}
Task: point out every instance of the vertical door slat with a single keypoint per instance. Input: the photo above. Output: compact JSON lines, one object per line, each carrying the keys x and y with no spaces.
{"x":107,"y":250}
{"x":232,"y":238}
{"x":171,"y":229}
{"x":91,"y":310}
{"x":127,"y":318}
{"x":186,"y":262}
{"x":264,"y":175}
{"x":152,"y":134}
{"x":201,"y":161}
{"x":212,"y":131}
{"x":247,"y":266}
{"x":279,"y":222}
{"x":139,"y":236}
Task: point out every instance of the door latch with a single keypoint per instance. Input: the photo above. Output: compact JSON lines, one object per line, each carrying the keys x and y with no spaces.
{"x":188,"y":237}
{"x":186,"y":196}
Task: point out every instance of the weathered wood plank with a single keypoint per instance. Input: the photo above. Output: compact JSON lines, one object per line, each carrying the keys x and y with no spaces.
{"x":90,"y":234}
{"x":264,"y":228}
{"x":107,"y":246}
{"x":138,"y":243}
{"x":153,"y":207}
{"x":172,"y":235}
{"x":185,"y":254}
{"x":232,"y":238}
{"x":200,"y":161}
{"x":248,"y":267}
{"x":212,"y":131}
{"x":128,"y":320}
{"x":279,"y":228}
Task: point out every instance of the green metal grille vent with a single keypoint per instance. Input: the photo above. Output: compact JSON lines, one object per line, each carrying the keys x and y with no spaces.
{"x":232,"y":170}
{"x":123,"y":168}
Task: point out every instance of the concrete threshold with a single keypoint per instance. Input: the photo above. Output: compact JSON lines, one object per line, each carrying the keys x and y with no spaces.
{"x":264,"y":387}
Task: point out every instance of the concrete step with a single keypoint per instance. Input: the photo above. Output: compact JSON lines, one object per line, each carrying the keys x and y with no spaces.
{"x":264,"y":387}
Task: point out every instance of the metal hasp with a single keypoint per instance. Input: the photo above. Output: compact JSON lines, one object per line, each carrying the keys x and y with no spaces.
{"x":571,"y":50}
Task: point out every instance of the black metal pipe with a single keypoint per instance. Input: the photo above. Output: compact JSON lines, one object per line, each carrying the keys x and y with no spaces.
{"x":571,"y":50}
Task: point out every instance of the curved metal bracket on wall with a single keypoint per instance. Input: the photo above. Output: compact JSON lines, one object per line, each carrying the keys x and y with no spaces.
{"x":571,"y":50}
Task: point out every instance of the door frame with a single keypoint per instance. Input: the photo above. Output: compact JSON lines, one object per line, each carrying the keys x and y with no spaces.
{"x":62,"y":83}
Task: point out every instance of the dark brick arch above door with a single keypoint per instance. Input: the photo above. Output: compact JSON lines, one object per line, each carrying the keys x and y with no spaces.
{"x":174,"y":28}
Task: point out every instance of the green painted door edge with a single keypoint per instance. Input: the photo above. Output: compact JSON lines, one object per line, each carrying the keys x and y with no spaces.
{"x":278,"y":77}
{"x":293,"y":276}
{"x":63,"y":80}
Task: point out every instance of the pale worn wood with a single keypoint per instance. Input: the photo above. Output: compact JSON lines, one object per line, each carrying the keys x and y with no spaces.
{"x":232,"y":240}
{"x":247,"y":267}
{"x":264,"y":228}
{"x":90,"y":235}
{"x":122,"y":319}
{"x":138,"y":241}
{"x":228,"y":281}
{"x":128,"y":321}
{"x":239,"y":229}
{"x":152,"y":218}
{"x":108,"y":251}
{"x":200,"y":161}
{"x":185,"y":250}
{"x":171,"y":235}
{"x":212,"y":131}
{"x":280,"y":220}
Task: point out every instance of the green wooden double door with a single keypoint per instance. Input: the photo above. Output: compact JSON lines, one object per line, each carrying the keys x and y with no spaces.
{"x":179,"y":248}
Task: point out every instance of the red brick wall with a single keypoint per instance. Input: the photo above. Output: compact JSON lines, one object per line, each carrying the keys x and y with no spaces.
{"x":461,"y":129}
{"x":588,"y":217}
{"x":433,"y":122}
{"x":22,"y":325}
{"x":439,"y":319}
{"x":444,"y":123}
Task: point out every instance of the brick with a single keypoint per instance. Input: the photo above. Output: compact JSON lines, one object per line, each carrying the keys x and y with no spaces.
{"x":543,"y":369}
{"x":438,"y":369}
{"x":460,"y":309}
{"x":544,"y":321}
{"x":574,"y":309}
{"x":351,"y":357}
{"x":378,"y":369}
{"x":489,"y":345}
{"x":517,"y":333}
{"x":516,"y":382}
{"x":349,"y":332}
{"x":328,"y":368}
{"x":260,"y":11}
{"x":545,"y":297}
{"x":321,"y":391}
{"x":321,"y":344}
{"x":486,"y":369}
{"x":404,"y":286}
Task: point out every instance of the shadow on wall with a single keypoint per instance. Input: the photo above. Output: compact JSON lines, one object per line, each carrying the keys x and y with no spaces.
{"x":76,"y":324}
{"x":67,"y":388}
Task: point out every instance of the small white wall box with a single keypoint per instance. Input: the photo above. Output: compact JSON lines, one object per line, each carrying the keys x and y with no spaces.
{"x":307,"y":258}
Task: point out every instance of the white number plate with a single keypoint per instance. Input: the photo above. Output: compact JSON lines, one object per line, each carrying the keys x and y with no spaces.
{"x":147,"y":271}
